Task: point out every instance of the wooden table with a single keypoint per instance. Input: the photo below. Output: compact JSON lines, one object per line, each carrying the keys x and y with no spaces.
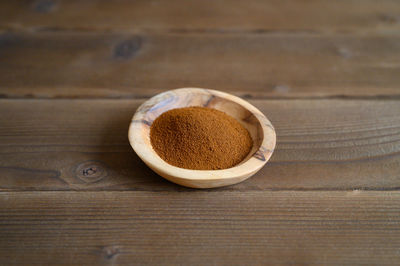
{"x":326,"y":73}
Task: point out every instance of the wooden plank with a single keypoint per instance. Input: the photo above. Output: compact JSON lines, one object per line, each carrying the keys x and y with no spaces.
{"x":124,"y":65}
{"x":321,"y":144}
{"x":208,"y":15}
{"x":200,"y":228}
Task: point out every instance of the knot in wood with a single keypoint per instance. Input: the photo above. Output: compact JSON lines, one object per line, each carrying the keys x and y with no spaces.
{"x":90,"y":171}
{"x":44,"y":6}
{"x":128,"y":48}
{"x":110,"y":252}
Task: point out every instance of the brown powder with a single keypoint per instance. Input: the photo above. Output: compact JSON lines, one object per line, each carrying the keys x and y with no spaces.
{"x":200,"y":138}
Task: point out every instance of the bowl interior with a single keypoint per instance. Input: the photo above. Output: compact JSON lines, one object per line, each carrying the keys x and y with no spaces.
{"x":182,"y":98}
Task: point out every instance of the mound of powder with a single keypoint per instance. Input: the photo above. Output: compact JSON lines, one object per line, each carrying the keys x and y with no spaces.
{"x":200,"y":138}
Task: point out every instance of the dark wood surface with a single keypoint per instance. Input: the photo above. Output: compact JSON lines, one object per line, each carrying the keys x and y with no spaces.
{"x":259,"y":16}
{"x":278,"y":65}
{"x":326,"y":73}
{"x":200,"y":228}
{"x":323,"y":144}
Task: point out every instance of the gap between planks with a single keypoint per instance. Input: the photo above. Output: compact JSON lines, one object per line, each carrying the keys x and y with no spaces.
{"x":199,"y":31}
{"x":246,"y":97}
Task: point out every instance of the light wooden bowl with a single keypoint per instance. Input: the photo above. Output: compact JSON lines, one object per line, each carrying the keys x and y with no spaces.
{"x":259,"y":127}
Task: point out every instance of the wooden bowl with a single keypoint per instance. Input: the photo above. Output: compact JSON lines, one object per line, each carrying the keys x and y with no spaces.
{"x":259,"y":127}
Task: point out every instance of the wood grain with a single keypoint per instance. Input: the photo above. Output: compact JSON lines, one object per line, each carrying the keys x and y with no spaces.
{"x":83,"y":145}
{"x":201,"y":228}
{"x":219,"y":16}
{"x":124,"y":65}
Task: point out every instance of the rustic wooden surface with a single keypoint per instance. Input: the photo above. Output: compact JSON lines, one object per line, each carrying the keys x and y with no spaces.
{"x":326,"y":73}
{"x":359,"y":16}
{"x":322,"y":144}
{"x":81,"y":64}
{"x":200,"y":228}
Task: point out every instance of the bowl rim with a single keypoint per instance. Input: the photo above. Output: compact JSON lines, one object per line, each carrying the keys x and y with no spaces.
{"x":257,"y":160}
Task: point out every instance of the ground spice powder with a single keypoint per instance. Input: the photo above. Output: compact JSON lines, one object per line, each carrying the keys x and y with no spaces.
{"x":200,"y":138}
